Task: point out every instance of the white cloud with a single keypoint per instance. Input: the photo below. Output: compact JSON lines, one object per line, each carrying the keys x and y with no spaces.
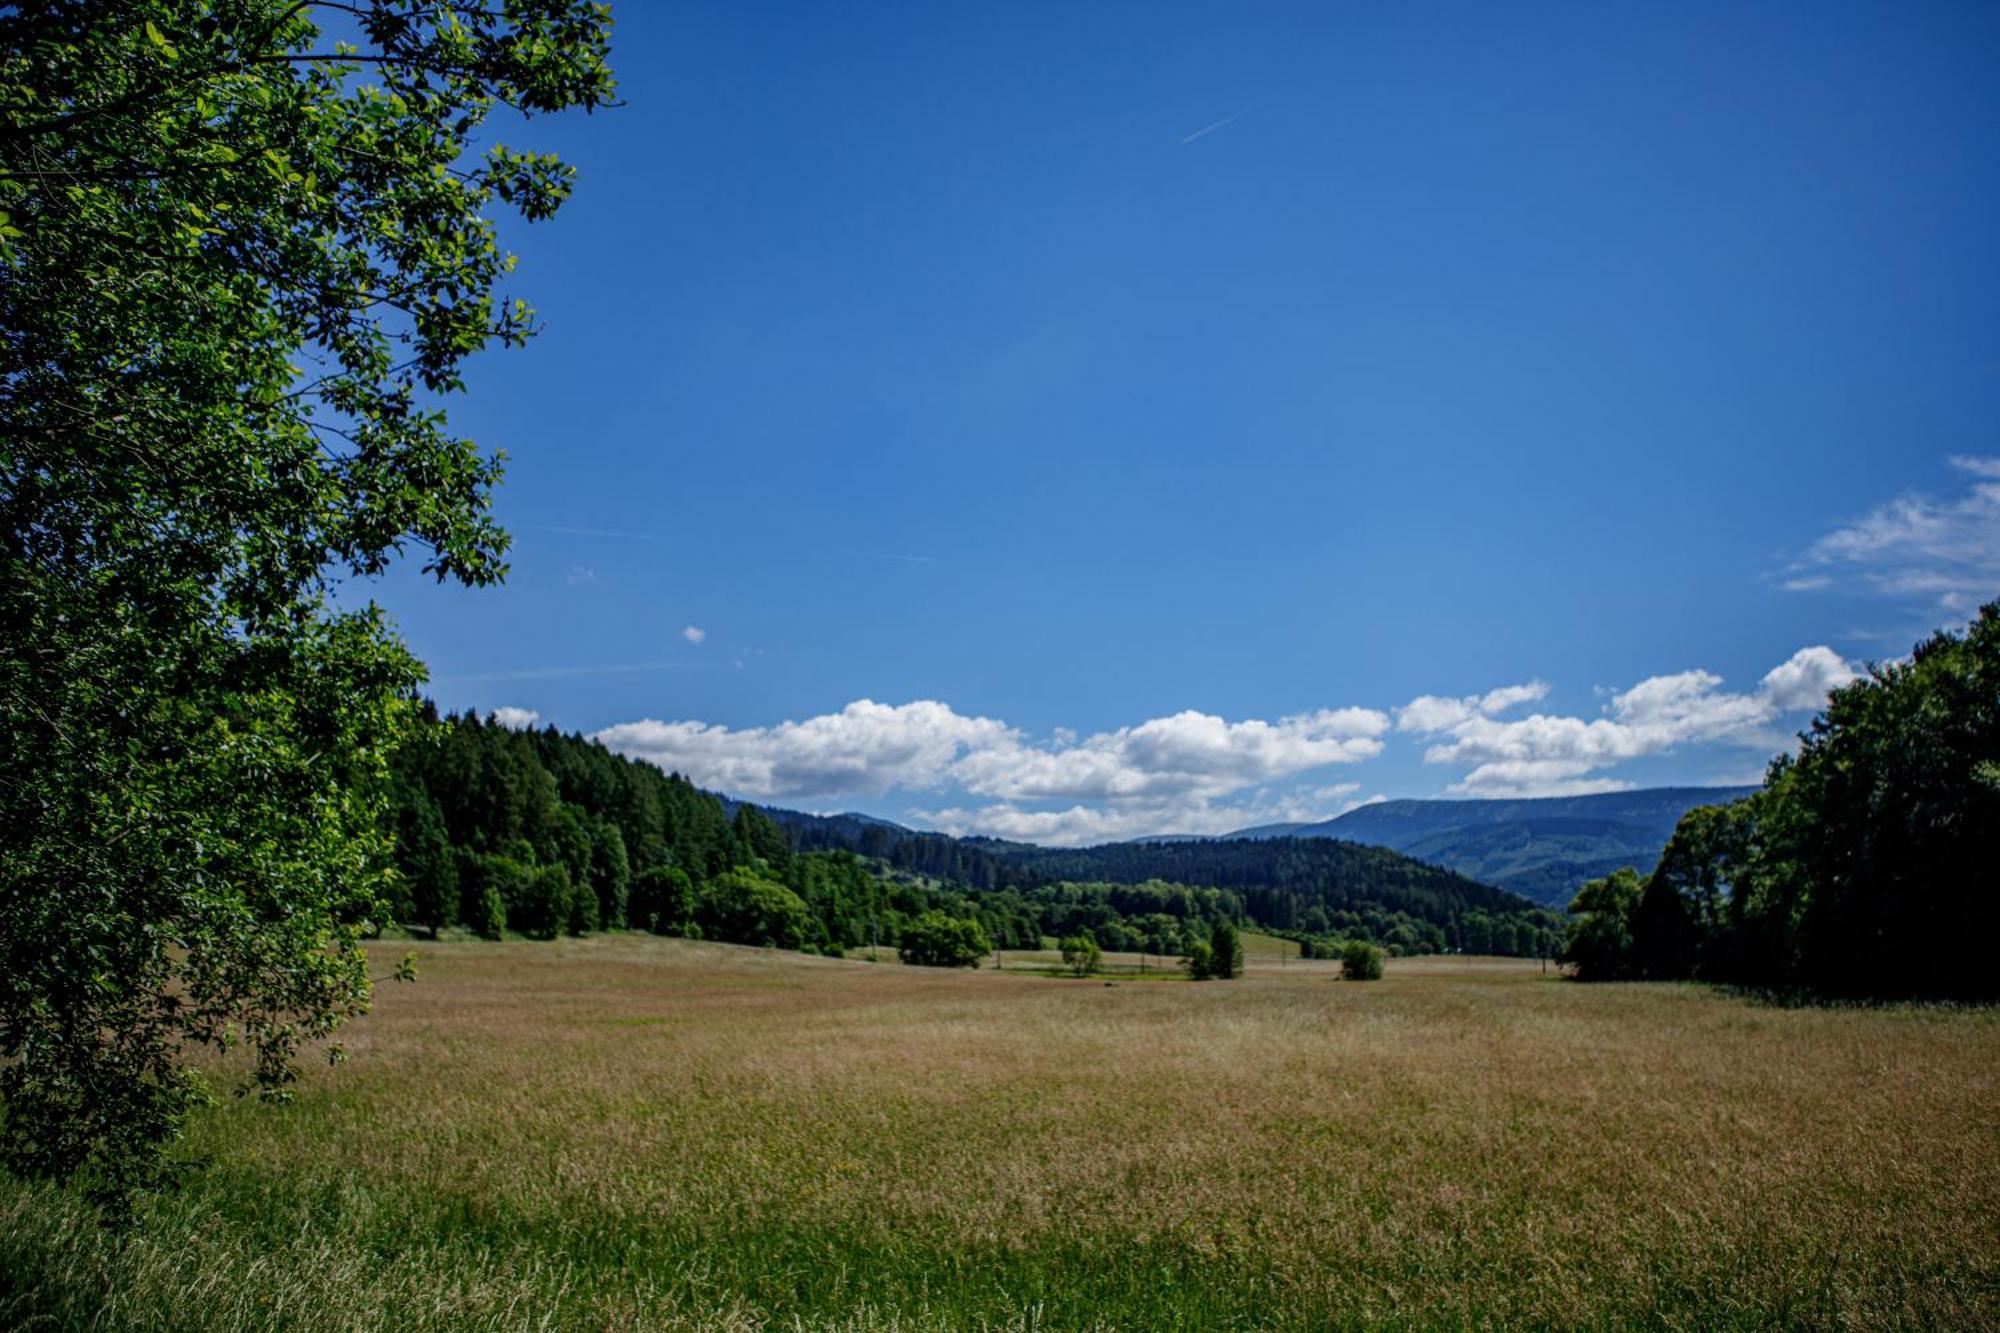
{"x":1553,"y":755}
{"x":582,"y":574}
{"x":1189,"y":754}
{"x":1806,"y":679}
{"x":1940,"y":550}
{"x":866,"y":748}
{"x":520,"y":719}
{"x":1196,"y":773}
{"x":694,"y":634}
{"x":1433,"y":712}
{"x":1183,"y":773}
{"x":1079,"y":825}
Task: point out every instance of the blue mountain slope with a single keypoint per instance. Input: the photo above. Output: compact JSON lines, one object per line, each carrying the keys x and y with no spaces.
{"x":1542,"y":848}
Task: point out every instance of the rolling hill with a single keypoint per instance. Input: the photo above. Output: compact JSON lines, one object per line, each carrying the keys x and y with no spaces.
{"x":1541,"y":848}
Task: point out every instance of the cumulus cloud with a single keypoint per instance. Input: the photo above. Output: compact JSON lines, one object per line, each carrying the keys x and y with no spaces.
{"x":1943,"y":550}
{"x":1553,"y":755}
{"x":694,"y":634}
{"x":1080,"y":825}
{"x":1434,"y":712}
{"x":1182,"y":773}
{"x":520,"y":719}
{"x":1197,"y":773}
{"x":864,"y":749}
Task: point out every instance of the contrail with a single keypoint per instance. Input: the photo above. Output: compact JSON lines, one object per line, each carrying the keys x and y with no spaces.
{"x":1234,"y":115}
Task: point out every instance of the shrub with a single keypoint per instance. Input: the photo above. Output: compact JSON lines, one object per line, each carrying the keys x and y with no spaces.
{"x":937,"y":940}
{"x":743,"y":907}
{"x":489,"y":914}
{"x":1360,"y":961}
{"x":1080,"y":953}
{"x":1200,"y":961}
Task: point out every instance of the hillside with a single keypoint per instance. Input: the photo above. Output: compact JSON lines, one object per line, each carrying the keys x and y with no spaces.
{"x":566,"y":835}
{"x":1541,"y":848}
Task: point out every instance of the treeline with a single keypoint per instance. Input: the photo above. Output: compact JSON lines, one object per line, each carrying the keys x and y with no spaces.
{"x":1325,"y":888}
{"x":543,"y":833}
{"x":540,"y":833}
{"x":1864,"y":867}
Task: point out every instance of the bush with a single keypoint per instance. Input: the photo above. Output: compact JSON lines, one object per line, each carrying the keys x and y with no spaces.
{"x":489,"y":914}
{"x":1200,"y":961}
{"x":743,"y":907}
{"x":1360,"y":961}
{"x":1080,"y":953}
{"x":937,"y":940}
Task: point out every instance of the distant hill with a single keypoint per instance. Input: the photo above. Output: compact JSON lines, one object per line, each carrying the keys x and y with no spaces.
{"x":1541,"y":848}
{"x":1283,"y":884}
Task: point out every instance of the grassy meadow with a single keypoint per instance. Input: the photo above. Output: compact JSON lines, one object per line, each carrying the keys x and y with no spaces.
{"x":628,"y":1132}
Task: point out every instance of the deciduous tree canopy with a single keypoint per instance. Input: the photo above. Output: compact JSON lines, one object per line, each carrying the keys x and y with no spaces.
{"x":241,"y":264}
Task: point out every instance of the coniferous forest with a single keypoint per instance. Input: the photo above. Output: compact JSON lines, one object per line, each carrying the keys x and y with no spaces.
{"x":541,"y":833}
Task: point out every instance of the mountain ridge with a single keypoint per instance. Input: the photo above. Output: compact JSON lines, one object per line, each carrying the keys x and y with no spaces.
{"x":1542,"y":847}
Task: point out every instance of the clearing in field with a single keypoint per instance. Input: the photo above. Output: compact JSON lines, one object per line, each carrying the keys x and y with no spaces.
{"x":632,"y":1132}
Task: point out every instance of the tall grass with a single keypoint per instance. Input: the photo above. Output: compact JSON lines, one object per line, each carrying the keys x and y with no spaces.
{"x":636,"y":1133}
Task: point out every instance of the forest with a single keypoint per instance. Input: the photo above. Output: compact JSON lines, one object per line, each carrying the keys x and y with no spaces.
{"x":1863,"y":867}
{"x":541,"y":833}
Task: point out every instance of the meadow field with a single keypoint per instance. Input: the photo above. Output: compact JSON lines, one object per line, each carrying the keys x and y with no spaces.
{"x":627,"y":1132}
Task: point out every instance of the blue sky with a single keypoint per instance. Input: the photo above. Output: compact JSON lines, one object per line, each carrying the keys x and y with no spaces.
{"x":1082,"y":421}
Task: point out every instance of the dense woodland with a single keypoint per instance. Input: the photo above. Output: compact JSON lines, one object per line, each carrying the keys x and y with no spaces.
{"x":1865,"y":866}
{"x":541,"y":833}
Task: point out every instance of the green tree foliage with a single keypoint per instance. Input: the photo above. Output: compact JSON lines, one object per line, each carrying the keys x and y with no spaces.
{"x":1599,"y":942}
{"x":238,"y":273}
{"x":1081,"y":954}
{"x":544,"y":902}
{"x":662,"y":900}
{"x":547,"y":798}
{"x":1360,"y":961}
{"x":937,"y":940}
{"x":760,"y":834}
{"x":745,"y":908}
{"x":1863,"y":867}
{"x":427,"y":879}
{"x":1225,"y":947}
{"x":1200,"y":961}
{"x":488,"y":918}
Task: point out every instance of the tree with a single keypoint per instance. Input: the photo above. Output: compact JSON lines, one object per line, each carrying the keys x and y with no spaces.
{"x":742,"y":907}
{"x":1080,"y":953}
{"x":1360,"y":961}
{"x":427,"y":870}
{"x":546,"y":903}
{"x":238,"y":274}
{"x":1599,"y":944}
{"x":937,"y":940}
{"x":610,"y":872}
{"x":1200,"y":961}
{"x":663,"y":901}
{"x":1225,"y":951}
{"x":1865,"y":865}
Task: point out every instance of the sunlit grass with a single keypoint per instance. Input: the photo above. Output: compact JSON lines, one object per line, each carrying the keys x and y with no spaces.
{"x":629,"y":1132}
